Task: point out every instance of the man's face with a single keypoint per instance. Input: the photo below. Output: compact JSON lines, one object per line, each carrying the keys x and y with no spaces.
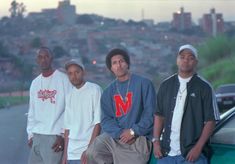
{"x":186,"y":62}
{"x":44,"y":59}
{"x":75,"y":74}
{"x":119,"y":66}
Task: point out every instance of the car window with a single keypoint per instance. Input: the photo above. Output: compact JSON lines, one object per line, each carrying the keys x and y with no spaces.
{"x":226,"y":134}
{"x":226,"y":89}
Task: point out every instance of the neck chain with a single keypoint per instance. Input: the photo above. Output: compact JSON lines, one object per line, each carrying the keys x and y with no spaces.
{"x":181,"y":92}
{"x":127,"y":89}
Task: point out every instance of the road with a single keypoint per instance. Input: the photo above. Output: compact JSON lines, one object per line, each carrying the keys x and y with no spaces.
{"x":13,"y":136}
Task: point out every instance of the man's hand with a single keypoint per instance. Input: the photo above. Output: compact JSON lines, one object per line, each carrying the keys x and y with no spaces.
{"x":59,"y":144}
{"x":131,"y":141}
{"x":30,"y":142}
{"x":84,"y":158}
{"x":157,"y":150}
{"x":126,"y":136}
{"x":193,"y":154}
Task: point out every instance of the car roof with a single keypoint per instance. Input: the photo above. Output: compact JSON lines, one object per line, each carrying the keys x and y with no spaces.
{"x":226,"y":85}
{"x":224,"y":118}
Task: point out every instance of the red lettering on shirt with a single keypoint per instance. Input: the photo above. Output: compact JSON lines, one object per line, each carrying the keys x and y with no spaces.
{"x":123,"y":106}
{"x":47,"y":94}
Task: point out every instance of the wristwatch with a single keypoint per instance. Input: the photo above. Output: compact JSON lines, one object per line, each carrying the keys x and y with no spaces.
{"x":154,"y":139}
{"x":132,"y":132}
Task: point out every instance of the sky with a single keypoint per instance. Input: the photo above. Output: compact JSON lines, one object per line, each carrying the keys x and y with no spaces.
{"x":158,"y":10}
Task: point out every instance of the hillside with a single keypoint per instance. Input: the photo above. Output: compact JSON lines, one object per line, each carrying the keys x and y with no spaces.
{"x":217,"y":60}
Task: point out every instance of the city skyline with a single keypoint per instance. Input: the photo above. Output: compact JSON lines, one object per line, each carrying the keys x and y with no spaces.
{"x":134,"y":9}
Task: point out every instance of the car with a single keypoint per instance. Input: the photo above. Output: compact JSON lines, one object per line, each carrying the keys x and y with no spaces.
{"x":222,"y":142}
{"x":225,"y":96}
{"x":223,"y":139}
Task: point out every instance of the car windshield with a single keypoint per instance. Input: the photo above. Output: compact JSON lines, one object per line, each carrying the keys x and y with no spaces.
{"x":226,"y":89}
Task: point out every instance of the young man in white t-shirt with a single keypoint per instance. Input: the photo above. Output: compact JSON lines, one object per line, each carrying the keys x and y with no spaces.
{"x":82,"y":114}
{"x":46,"y":109}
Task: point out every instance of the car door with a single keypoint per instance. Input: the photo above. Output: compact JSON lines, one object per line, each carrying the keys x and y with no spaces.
{"x":223,"y":141}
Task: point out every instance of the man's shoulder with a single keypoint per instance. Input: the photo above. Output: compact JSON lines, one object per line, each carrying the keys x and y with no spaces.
{"x":202,"y":82}
{"x":60,"y":73}
{"x":93,"y":85}
{"x":139,"y":78}
{"x":169,"y":80}
{"x":36,"y":79}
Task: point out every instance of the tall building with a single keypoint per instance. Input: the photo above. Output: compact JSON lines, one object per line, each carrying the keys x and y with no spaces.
{"x":182,"y":20}
{"x":65,"y":13}
{"x":212,"y":23}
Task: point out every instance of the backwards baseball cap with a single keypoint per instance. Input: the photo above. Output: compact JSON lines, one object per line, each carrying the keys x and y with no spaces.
{"x":74,"y":62}
{"x":190,"y":48}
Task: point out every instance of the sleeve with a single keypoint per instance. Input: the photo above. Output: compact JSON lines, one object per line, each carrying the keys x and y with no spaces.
{"x":108,"y":119}
{"x":67,"y":118}
{"x":159,"y":107}
{"x":67,"y":85}
{"x":30,"y":119}
{"x":211,"y":111}
{"x":96,"y":105}
{"x":148,"y":96}
{"x":67,"y":88}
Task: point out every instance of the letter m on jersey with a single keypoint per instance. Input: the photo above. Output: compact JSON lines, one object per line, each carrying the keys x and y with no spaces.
{"x":122,"y":106}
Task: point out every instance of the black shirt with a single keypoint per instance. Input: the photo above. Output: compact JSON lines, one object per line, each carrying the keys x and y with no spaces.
{"x":200,"y":107}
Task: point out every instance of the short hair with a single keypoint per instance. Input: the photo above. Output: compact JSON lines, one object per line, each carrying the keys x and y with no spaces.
{"x":114,"y":52}
{"x":43,"y":48}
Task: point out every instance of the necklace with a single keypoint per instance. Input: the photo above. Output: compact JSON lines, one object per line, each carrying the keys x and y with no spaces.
{"x":181,"y":92}
{"x":127,"y":89}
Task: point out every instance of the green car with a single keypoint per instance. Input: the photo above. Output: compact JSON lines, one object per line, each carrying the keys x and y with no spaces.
{"x":222,"y":141}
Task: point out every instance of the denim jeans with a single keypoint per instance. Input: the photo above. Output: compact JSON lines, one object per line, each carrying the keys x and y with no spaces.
{"x":74,"y":161}
{"x":181,"y":160}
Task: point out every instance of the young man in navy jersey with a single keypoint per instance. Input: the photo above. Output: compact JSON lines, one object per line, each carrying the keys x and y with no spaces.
{"x":127,"y":107}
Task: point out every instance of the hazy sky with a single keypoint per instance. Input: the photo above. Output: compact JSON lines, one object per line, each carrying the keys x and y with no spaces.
{"x":159,"y":10}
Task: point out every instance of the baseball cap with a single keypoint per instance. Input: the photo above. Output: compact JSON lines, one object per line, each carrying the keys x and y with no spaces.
{"x":74,"y":62}
{"x":190,"y":48}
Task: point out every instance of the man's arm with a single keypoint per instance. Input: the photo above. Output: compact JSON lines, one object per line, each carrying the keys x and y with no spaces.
{"x":197,"y":149}
{"x":30,"y":119}
{"x":95,"y":133}
{"x":108,"y":119}
{"x":66,"y":141}
{"x":157,"y":131}
{"x":148,"y":97}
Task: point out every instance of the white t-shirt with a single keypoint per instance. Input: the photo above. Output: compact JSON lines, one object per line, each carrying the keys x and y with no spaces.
{"x":47,"y":104}
{"x":177,"y":117}
{"x":82,"y":113}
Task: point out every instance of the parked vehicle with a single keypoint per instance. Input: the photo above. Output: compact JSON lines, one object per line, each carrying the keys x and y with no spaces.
{"x":225,"y":96}
{"x":222,"y":141}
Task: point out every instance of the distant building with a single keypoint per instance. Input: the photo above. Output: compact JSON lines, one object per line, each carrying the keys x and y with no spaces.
{"x":64,"y":13}
{"x":182,"y":20}
{"x":212,"y":23}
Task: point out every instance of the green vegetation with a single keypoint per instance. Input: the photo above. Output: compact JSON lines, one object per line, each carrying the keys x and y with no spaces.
{"x":12,"y":100}
{"x":217,"y":60}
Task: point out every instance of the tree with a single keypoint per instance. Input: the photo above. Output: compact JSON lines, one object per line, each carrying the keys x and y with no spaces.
{"x":85,"y":19}
{"x":59,"y":51}
{"x":13,"y":9}
{"x":3,"y":50}
{"x":17,"y":9}
{"x":21,"y":10}
{"x":36,"y":42}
